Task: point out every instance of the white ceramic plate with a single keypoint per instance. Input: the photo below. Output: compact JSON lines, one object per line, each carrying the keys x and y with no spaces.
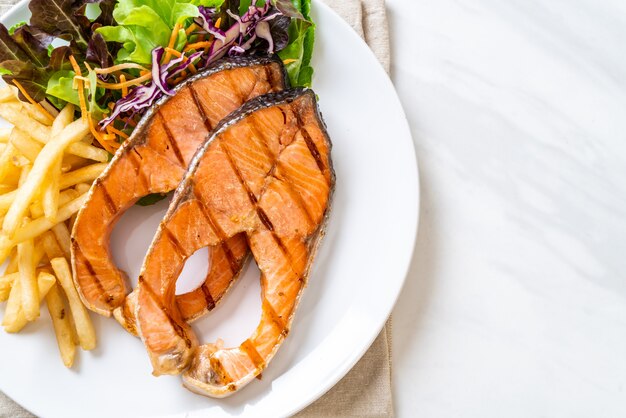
{"x":356,"y":278}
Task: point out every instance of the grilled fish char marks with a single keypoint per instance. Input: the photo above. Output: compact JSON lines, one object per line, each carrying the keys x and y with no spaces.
{"x":154,"y":160}
{"x":266,"y":172}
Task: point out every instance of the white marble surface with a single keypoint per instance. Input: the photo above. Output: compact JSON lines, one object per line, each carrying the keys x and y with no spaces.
{"x":515,"y":305}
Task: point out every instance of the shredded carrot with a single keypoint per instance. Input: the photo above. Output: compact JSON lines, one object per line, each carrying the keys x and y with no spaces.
{"x":88,"y":67}
{"x":80,"y":88}
{"x":121,"y":85}
{"x":119,"y":67}
{"x":129,"y":121}
{"x":177,"y":80}
{"x":172,"y":42}
{"x":192,"y":69}
{"x":111,"y":129}
{"x":108,"y":142}
{"x":143,"y":73}
{"x":218,"y":22}
{"x":197,"y":45}
{"x":173,"y":52}
{"x":124,"y":86}
{"x":111,"y":105}
{"x":289,"y":61}
{"x":32,"y":101}
{"x":191,"y":28}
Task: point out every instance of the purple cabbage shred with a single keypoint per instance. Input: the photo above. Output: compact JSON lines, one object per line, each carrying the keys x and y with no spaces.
{"x":244,"y":36}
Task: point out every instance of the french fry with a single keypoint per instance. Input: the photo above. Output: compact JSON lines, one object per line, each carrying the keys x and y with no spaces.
{"x":36,"y":209}
{"x":7,"y":94}
{"x":82,"y":188}
{"x":24,"y":175}
{"x":64,"y":239}
{"x":80,"y":149}
{"x":5,"y":161}
{"x":39,"y":253}
{"x":63,"y":119}
{"x":12,"y":175}
{"x":27,"y":146}
{"x":84,"y":326}
{"x":51,"y":151}
{"x":82,"y":175}
{"x":38,"y":226}
{"x":51,"y":245}
{"x":13,"y":113}
{"x":73,"y":162}
{"x":6,"y":283}
{"x":15,"y":319}
{"x":28,"y":280}
{"x":62,"y":325}
{"x":12,"y":266}
{"x":50,"y":197}
{"x":36,"y":113}
{"x":5,"y":132}
{"x":14,"y":304}
{"x":20,"y":161}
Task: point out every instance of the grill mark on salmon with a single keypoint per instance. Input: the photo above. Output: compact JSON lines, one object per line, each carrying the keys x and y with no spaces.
{"x":313,"y":149}
{"x":255,"y":130}
{"x":276,"y":319}
{"x":219,"y":370}
{"x":235,"y":88}
{"x":297,"y":198}
{"x":210,"y":302}
{"x":196,"y":101}
{"x":92,"y":273}
{"x":153,"y":161}
{"x":281,"y":228}
{"x":242,"y":182}
{"x":232,"y":262}
{"x":179,"y":330}
{"x":171,"y":139}
{"x":265,"y":220}
{"x":108,"y":200}
{"x":136,"y":160}
{"x":129,"y":318}
{"x":177,"y":245}
{"x":248,"y":347}
{"x":234,"y":265}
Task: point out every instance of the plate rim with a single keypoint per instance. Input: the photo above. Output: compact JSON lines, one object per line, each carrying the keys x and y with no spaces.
{"x":344,"y":368}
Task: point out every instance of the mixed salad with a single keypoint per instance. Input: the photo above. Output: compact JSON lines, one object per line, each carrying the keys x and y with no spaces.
{"x":114,"y":58}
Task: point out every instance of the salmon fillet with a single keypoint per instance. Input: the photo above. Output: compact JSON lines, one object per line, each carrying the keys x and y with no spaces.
{"x":265,"y":172}
{"x":154,"y":160}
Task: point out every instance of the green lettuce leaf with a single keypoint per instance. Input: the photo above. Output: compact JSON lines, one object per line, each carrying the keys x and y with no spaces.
{"x":151,"y":199}
{"x":299,"y":51}
{"x":60,"y":85}
{"x":143,"y":25}
{"x":26,"y":50}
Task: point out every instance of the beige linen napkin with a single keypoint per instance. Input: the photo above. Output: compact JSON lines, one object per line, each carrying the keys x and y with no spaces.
{"x":366,"y":390}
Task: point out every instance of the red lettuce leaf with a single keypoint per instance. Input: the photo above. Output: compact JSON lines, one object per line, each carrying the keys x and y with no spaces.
{"x":25,"y":54}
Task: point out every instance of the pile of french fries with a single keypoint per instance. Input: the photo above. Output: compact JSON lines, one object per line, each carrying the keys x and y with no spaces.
{"x":47,"y":165}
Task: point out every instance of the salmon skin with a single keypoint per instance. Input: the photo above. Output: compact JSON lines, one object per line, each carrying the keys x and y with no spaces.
{"x":154,"y":160}
{"x":266,"y":172}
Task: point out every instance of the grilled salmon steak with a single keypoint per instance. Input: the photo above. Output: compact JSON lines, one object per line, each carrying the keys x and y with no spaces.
{"x":266,"y":172}
{"x":154,"y":160}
